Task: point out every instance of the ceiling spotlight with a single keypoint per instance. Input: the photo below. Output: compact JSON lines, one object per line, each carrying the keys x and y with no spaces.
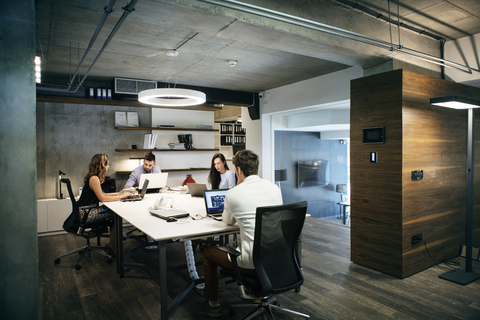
{"x":172,"y":52}
{"x":232,"y":63}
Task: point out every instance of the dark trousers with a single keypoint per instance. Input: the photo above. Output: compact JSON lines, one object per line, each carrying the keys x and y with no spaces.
{"x":212,"y":258}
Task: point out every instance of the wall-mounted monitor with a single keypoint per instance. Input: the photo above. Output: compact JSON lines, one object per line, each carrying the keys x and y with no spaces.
{"x":374,"y":135}
{"x":313,"y":173}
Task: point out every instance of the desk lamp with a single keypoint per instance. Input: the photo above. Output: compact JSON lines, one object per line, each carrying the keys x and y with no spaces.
{"x":459,"y":275}
{"x":341,"y":188}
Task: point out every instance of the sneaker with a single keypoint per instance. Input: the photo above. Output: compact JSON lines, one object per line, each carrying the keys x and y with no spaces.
{"x":152,"y":247}
{"x":205,"y":308}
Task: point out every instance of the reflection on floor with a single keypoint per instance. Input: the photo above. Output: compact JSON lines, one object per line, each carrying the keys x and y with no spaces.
{"x":337,"y":220}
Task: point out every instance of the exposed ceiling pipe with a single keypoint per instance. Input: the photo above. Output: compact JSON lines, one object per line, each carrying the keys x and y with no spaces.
{"x":106,"y":12}
{"x":127,"y":10}
{"x":279,"y":16}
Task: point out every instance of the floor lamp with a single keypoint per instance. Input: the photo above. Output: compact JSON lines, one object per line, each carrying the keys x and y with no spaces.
{"x":458,"y":275}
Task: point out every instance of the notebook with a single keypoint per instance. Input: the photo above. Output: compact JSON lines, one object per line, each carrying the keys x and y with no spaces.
{"x":196,"y":189}
{"x":138,"y":197}
{"x":157,"y":180}
{"x":214,"y":201}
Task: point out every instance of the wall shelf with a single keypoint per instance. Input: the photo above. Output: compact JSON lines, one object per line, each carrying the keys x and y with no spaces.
{"x":163,"y":150}
{"x":166,"y":128}
{"x":117,"y":103}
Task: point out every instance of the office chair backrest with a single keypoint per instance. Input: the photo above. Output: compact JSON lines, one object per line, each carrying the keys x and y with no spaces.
{"x":275,"y":255}
{"x":72,"y":223}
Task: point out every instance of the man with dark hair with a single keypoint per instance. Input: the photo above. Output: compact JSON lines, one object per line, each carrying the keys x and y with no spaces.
{"x":241,"y":203}
{"x":147,"y":167}
{"x":134,"y":180}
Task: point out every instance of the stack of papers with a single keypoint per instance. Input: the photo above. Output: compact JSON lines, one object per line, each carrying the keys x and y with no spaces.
{"x":177,"y":146}
{"x":150,"y":141}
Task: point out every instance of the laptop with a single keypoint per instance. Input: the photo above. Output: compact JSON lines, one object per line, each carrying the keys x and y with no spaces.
{"x":157,"y":180}
{"x":196,"y":189}
{"x":214,"y":202}
{"x":168,"y":213}
{"x":138,"y":197}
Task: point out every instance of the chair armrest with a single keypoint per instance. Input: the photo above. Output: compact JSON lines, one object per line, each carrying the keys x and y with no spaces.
{"x":232,"y":252}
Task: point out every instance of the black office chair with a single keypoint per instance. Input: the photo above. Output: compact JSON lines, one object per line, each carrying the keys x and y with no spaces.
{"x":88,"y":231}
{"x":275,"y":257}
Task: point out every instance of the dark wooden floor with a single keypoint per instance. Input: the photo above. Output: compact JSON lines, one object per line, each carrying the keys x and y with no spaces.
{"x":334,"y":288}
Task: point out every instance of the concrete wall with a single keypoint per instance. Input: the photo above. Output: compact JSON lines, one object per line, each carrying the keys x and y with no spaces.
{"x":18,"y":222}
{"x":69,"y":135}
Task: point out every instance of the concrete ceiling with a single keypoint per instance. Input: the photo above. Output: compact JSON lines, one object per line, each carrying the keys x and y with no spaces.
{"x":269,"y":53}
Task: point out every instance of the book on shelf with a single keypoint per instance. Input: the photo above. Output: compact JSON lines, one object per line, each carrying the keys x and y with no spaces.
{"x":149,"y":141}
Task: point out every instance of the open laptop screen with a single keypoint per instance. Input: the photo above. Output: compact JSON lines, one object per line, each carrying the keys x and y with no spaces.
{"x":157,"y":180}
{"x":214,"y":200}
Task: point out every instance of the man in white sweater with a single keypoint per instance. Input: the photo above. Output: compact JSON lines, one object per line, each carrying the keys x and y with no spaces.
{"x":241,"y":203}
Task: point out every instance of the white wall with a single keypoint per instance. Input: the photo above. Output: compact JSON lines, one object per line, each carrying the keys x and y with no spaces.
{"x":184,"y":159}
{"x":332,"y":90}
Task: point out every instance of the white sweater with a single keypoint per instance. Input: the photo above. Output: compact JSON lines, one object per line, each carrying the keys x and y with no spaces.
{"x":241,"y":203}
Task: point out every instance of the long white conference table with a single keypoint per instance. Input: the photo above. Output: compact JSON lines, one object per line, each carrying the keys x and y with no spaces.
{"x":137,"y":214}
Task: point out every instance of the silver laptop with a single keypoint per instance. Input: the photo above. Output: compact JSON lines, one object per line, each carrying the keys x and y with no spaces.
{"x":214,"y":202}
{"x":138,"y":197}
{"x":196,"y":189}
{"x":157,"y":180}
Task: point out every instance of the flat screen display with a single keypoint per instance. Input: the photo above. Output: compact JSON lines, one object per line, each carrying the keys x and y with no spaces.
{"x":313,"y":173}
{"x":374,"y":135}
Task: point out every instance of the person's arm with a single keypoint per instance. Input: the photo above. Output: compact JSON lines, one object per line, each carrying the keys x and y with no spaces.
{"x":228,"y":217}
{"x":231,"y":180}
{"x":94,"y":183}
{"x":133,"y":179}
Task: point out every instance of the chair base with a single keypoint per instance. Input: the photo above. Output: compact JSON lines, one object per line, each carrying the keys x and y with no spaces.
{"x":265,"y":307}
{"x":83,"y":252}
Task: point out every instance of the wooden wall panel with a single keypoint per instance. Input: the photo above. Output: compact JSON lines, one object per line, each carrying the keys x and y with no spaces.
{"x":376,"y":203}
{"x":388,"y":208}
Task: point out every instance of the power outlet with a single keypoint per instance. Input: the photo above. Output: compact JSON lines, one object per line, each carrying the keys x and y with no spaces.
{"x":417,"y":238}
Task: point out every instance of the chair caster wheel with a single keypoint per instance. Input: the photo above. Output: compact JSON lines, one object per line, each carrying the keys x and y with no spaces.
{"x":232,"y":312}
{"x":57,"y":261}
{"x":297,"y":290}
{"x":78,"y":267}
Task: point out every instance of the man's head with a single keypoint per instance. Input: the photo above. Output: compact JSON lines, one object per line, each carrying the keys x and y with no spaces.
{"x":247,"y":162}
{"x":148,"y":162}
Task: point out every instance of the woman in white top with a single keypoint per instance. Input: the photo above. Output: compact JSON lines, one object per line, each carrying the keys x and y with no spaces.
{"x":220,"y":176}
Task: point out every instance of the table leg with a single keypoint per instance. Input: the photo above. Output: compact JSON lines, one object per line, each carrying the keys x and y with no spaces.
{"x":162,"y":253}
{"x":119,"y":244}
{"x":343,"y":214}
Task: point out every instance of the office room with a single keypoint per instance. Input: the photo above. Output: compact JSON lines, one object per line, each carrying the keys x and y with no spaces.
{"x":306,"y":78}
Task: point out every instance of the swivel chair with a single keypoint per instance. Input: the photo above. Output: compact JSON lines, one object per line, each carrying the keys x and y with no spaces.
{"x":81,"y":228}
{"x":275,"y":257}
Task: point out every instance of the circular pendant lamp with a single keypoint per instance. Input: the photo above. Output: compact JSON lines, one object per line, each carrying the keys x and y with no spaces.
{"x":172,"y":97}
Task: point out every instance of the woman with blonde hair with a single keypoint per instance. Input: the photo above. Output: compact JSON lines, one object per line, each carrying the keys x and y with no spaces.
{"x":92,"y":194}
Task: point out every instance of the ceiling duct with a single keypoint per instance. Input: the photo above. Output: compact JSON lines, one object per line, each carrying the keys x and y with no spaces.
{"x":133,"y":86}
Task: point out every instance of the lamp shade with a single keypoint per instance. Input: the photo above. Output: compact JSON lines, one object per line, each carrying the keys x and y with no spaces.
{"x":455,"y":102}
{"x":171,"y":97}
{"x":341,"y":188}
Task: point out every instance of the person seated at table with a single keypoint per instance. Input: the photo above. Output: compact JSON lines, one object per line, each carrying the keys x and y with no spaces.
{"x":241,"y":204}
{"x":147,"y":167}
{"x":92,"y":194}
{"x":220,"y":177}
